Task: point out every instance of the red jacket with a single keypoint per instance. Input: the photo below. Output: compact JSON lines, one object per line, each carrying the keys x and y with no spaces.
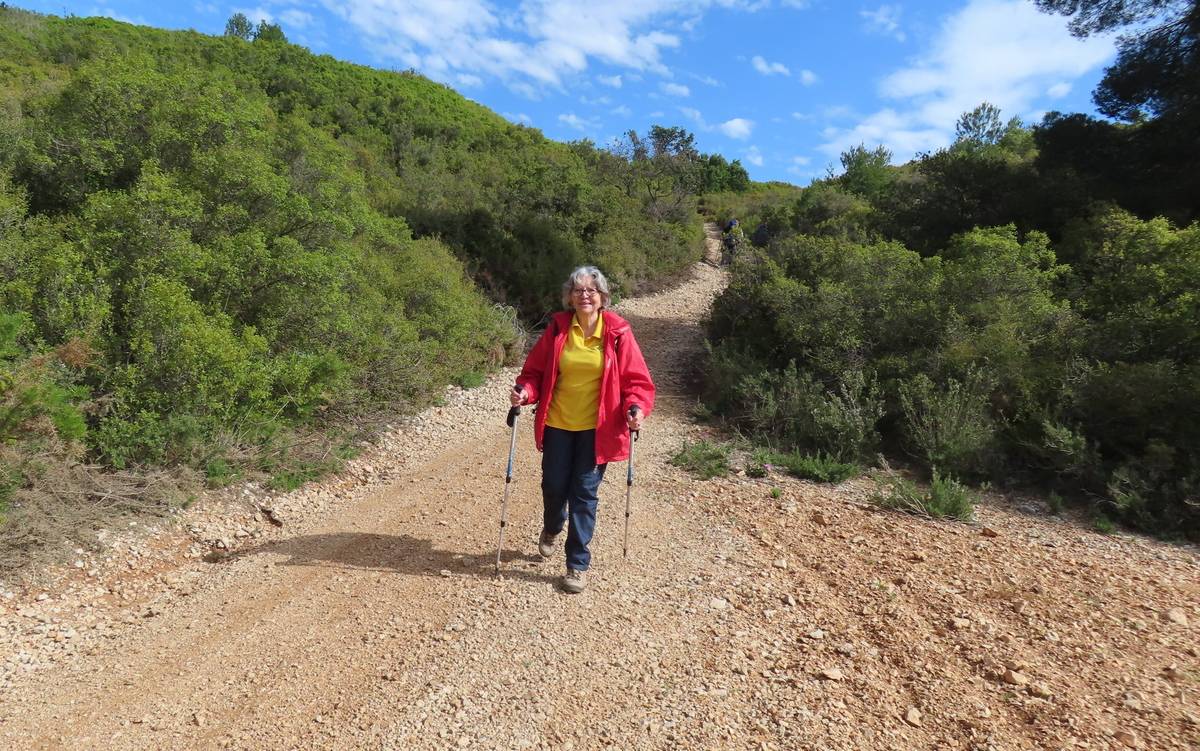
{"x":624,"y":382}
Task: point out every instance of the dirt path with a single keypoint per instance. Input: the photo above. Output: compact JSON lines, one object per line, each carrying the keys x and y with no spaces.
{"x":745,"y":618}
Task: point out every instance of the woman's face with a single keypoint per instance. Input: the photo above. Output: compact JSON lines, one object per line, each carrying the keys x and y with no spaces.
{"x":585,"y":298}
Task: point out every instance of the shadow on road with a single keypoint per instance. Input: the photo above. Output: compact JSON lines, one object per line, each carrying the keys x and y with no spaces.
{"x":401,"y":554}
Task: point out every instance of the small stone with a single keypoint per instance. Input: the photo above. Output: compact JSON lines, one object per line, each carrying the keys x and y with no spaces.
{"x":918,"y":555}
{"x":819,"y":518}
{"x":1040,"y":690}
{"x":718,"y":603}
{"x":445,"y":572}
{"x":988,"y":532}
{"x":1128,"y":737}
{"x":832,"y":674}
{"x":958,"y":624}
{"x":913,"y":717}
{"x":1172,"y":673}
{"x":789,"y":601}
{"x":1176,"y":616}
{"x":1014,"y":678}
{"x":198,"y":719}
{"x":781,"y":563}
{"x":817,"y":634}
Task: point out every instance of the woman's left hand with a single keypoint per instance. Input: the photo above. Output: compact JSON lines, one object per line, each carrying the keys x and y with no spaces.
{"x":634,"y":418}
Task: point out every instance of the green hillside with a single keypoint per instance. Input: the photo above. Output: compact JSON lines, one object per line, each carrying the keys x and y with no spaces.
{"x":209,"y":243}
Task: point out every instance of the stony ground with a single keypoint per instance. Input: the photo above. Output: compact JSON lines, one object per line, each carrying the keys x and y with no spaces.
{"x":751,"y":614}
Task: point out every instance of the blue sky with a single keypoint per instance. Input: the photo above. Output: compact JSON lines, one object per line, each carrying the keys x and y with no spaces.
{"x":783,"y":85}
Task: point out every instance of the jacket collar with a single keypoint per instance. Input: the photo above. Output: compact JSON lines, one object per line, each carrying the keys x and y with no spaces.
{"x":612,"y":322}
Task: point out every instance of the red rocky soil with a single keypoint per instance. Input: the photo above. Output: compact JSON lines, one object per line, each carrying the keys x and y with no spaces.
{"x":373,"y":617}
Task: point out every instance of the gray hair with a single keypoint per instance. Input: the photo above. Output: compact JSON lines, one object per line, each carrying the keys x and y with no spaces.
{"x":585,"y":272}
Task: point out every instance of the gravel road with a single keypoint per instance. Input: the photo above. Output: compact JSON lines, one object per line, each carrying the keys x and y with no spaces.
{"x":751,"y":614}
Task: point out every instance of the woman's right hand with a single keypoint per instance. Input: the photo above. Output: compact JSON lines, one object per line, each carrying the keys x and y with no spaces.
{"x":517,"y":395}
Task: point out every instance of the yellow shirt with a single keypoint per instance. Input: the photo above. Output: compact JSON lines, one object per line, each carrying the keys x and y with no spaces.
{"x":576,"y":399}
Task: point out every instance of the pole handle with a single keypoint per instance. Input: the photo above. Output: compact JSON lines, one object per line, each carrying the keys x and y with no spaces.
{"x":512,"y":413}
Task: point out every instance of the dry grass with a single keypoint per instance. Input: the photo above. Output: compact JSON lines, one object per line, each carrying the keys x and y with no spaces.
{"x":62,"y":503}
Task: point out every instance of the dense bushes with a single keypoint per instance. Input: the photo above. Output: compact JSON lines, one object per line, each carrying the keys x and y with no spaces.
{"x":988,"y":359}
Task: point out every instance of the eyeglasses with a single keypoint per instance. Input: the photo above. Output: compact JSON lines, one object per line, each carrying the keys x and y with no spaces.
{"x":585,"y":291}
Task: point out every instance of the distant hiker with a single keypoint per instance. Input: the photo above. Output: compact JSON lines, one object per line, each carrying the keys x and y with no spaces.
{"x":732,"y":239}
{"x":592,"y":387}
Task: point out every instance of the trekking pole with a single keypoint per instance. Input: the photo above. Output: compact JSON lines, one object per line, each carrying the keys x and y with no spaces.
{"x":512,"y":449}
{"x":633,"y":434}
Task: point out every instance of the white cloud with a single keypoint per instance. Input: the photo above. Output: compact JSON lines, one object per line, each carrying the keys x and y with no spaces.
{"x":1059,"y":90}
{"x":610,"y":81}
{"x":256,"y":15}
{"x":519,"y":117}
{"x":295,"y":19}
{"x":754,"y":156}
{"x":706,"y":80}
{"x":675,"y":89}
{"x":769,"y":69}
{"x":807,"y":77}
{"x":884,"y":20}
{"x":739,"y":128}
{"x":540,"y":40}
{"x":572,"y":120}
{"x":1002,"y":51}
{"x":694,"y":115}
{"x":621,"y":111}
{"x":468,"y":80}
{"x":800,"y":166}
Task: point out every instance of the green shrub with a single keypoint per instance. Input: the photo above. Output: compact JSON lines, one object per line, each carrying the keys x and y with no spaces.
{"x":757,"y":465}
{"x":948,"y":427}
{"x":472,"y":379}
{"x":946,"y":497}
{"x":704,"y":459}
{"x":818,"y":467}
{"x":1103,"y":524}
{"x":791,"y":409}
{"x":950,"y":498}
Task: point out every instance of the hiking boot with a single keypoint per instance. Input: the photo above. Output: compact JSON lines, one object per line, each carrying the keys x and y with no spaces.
{"x":547,"y":543}
{"x":573,"y":582}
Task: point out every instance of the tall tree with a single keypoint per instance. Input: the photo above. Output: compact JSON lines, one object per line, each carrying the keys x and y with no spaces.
{"x":269,"y":32}
{"x":665,"y":164}
{"x":239,"y":26}
{"x":1157,"y":65}
{"x":1154,"y":82}
{"x":866,"y":170}
{"x":980,"y":126}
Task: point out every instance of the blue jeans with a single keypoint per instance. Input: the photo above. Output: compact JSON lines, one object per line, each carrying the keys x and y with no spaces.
{"x":570,"y":483}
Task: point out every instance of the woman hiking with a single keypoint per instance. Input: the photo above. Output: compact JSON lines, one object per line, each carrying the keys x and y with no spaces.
{"x":587,"y":376}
